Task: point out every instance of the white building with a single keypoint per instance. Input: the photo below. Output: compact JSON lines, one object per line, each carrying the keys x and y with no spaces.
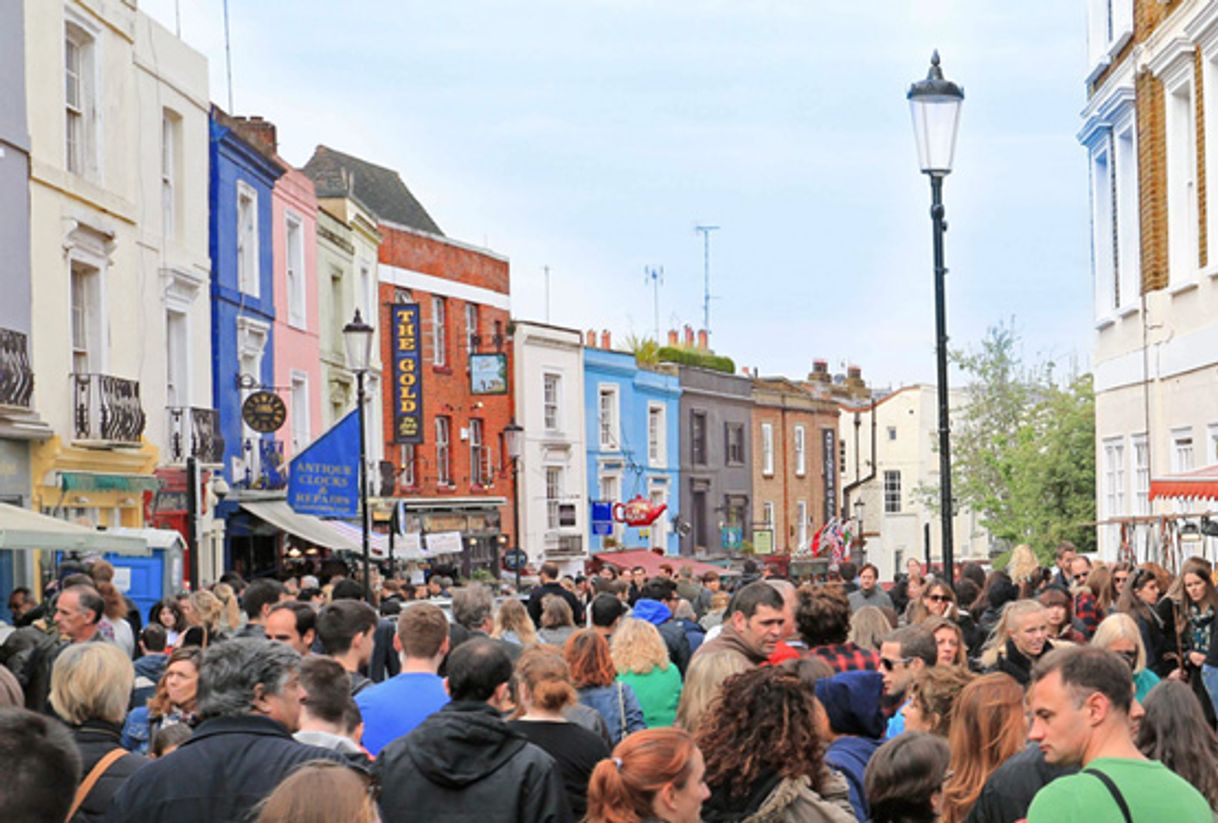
{"x":905,"y":459}
{"x":1150,"y":128}
{"x":549,"y":385}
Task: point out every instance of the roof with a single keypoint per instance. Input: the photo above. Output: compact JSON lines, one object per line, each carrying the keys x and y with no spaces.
{"x":651,"y":561}
{"x":335,"y":174}
{"x":1199,"y":483}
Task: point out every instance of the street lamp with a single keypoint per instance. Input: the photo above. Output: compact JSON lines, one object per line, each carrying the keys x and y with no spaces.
{"x":513,"y":441}
{"x":935,"y":105}
{"x":357,"y":336}
{"x":862,"y":541}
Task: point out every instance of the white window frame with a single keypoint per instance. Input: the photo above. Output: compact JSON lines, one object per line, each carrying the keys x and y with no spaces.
{"x":800,"y":438}
{"x":439,"y":331}
{"x":551,"y":407}
{"x":294,"y":258}
{"x":177,"y":368}
{"x":1181,"y":163}
{"x":249,"y":279}
{"x":554,"y":495}
{"x":1128,"y":211}
{"x":1103,"y":250}
{"x":801,"y":526}
{"x":82,"y":156}
{"x":171,"y":152}
{"x":658,"y":531}
{"x":608,"y":417}
{"x":1109,"y":28}
{"x":1139,"y":455}
{"x":767,"y":449}
{"x":1210,"y":458}
{"x":1114,"y":476}
{"x":767,"y":514}
{"x":657,"y":435}
{"x":1183,"y":449}
{"x":409,"y":462}
{"x":444,"y":466}
{"x":479,"y":468}
{"x":609,"y":489}
{"x":300,"y":411}
{"x":894,"y":501}
{"x":252,"y":337}
{"x":471,"y":327}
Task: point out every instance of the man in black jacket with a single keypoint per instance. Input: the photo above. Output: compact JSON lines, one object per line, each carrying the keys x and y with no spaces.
{"x":550,"y":585}
{"x":464,"y":762}
{"x":249,"y":699}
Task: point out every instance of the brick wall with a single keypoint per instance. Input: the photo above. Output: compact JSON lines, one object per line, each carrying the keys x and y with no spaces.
{"x":422,"y":253}
{"x":1152,"y":180}
{"x":1199,"y":118}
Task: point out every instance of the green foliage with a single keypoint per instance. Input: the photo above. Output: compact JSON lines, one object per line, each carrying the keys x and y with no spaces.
{"x":693,"y":357}
{"x":1023,"y":448}
{"x":646,"y":350}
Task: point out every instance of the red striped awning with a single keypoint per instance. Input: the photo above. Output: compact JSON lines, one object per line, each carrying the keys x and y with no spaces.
{"x":1197,"y":484}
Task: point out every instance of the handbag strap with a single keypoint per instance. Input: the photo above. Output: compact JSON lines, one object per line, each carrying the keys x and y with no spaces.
{"x":1113,"y":790}
{"x":86,"y":786}
{"x":621,"y":707}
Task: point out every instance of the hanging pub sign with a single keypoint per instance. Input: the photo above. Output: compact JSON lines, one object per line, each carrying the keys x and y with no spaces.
{"x":407,"y":377}
{"x":324,"y":478}
{"x":488,"y":374}
{"x":264,"y":412}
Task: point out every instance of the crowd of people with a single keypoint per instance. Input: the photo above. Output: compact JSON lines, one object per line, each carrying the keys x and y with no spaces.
{"x":1077,"y":692}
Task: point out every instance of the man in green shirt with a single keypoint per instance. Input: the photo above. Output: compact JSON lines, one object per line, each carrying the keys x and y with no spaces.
{"x":1080,"y":701}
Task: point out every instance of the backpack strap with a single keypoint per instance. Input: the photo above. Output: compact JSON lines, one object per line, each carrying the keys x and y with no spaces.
{"x":1113,"y":790}
{"x":86,"y":786}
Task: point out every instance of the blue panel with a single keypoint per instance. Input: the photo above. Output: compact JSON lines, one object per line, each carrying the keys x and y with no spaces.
{"x":147,"y":578}
{"x":7,"y":583}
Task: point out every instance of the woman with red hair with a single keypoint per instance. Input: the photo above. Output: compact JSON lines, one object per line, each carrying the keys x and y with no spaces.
{"x":988,"y":726}
{"x":595,"y":679}
{"x":655,"y":774}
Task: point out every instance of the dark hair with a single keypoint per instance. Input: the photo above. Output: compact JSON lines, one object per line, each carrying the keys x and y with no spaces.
{"x":1086,"y":670}
{"x":904,"y":775}
{"x":307,"y":595}
{"x":327,"y":688}
{"x":606,"y":610}
{"x":168,"y":737}
{"x":972,"y":572}
{"x":171,"y":603}
{"x":874,"y":569}
{"x":262,"y":592}
{"x":88,"y":597}
{"x":849,"y":570}
{"x":40,"y":764}
{"x":757,"y":593}
{"x":1062,"y":548}
{"x":549,"y":570}
{"x":916,"y":641}
{"x":153,"y":636}
{"x":339,"y":623}
{"x":235,"y":580}
{"x":422,"y":629}
{"x":347,"y":589}
{"x":662,"y":589}
{"x":306,"y":616}
{"x":823,"y":615}
{"x":476,"y":668}
{"x":1174,"y":732}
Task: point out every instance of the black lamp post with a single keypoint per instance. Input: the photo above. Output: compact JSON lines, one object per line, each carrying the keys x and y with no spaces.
{"x":935,"y":105}
{"x":357,"y":335}
{"x":513,"y":441}
{"x":859,"y":505}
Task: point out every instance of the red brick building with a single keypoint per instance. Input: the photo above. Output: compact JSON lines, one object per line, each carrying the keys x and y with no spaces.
{"x":457,"y":479}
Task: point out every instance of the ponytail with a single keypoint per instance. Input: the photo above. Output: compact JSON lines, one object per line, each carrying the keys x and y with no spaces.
{"x":609,"y":799}
{"x":622,"y":787}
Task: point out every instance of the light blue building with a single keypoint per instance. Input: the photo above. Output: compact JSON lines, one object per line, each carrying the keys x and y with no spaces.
{"x":633,"y":446}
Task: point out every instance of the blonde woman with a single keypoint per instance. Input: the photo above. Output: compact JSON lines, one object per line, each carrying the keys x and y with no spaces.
{"x":703,"y":683}
{"x":868,"y":627}
{"x":1018,"y":641}
{"x":230,"y":617}
{"x":513,"y":625}
{"x":641,"y":660}
{"x":1024,"y":569}
{"x":949,"y":640}
{"x":1119,"y":633}
{"x":204,"y":615}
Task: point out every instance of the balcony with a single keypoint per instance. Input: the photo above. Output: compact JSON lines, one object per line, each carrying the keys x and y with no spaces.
{"x":16,"y":376}
{"x":195,"y":432}
{"x":108,"y":410}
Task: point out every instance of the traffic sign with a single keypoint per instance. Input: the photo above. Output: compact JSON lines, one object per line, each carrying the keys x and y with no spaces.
{"x":515,"y":559}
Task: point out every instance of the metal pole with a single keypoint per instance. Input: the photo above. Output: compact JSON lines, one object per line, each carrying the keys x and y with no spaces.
{"x":192,"y":518}
{"x":547,"y":271}
{"x":363,"y":485}
{"x":228,"y":59}
{"x":706,"y":295}
{"x":945,"y":457}
{"x":516,"y":514}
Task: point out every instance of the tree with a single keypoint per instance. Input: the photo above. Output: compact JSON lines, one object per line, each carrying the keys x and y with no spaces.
{"x":1023,"y":448}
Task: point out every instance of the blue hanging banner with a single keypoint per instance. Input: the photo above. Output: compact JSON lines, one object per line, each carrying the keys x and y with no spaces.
{"x":324,"y":478}
{"x":407,"y":391}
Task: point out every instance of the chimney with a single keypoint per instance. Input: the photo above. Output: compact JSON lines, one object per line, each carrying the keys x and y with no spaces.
{"x":674,"y":338}
{"x":689,"y":336}
{"x":606,"y":340}
{"x":854,"y":381}
{"x":820,"y":372}
{"x":260,"y":132}
{"x":591,"y":338}
{"x":703,"y":340}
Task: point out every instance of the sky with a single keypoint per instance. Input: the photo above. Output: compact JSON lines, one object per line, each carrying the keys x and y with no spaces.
{"x":593,"y":136}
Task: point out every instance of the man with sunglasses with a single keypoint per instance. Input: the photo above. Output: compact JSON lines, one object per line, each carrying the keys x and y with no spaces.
{"x":904,"y":654}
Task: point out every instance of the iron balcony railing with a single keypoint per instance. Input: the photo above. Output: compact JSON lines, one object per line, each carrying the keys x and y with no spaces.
{"x":107,"y":408}
{"x":195,"y":432}
{"x":16,"y":376}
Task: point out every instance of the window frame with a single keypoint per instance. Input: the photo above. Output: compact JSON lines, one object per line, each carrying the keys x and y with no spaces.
{"x":479,"y":469}
{"x":297,"y":282}
{"x":551,"y":409}
{"x":698,"y":438}
{"x":249,"y":275}
{"x":439,"y":331}
{"x":767,"y":449}
{"x":800,"y":438}
{"x":471,"y":328}
{"x":553,"y":496}
{"x":657,"y":435}
{"x":608,"y":417}
{"x":443,"y":434}
{"x":893,"y":493}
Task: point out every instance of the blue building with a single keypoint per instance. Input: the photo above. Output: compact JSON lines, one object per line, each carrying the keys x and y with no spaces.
{"x":633,"y":446}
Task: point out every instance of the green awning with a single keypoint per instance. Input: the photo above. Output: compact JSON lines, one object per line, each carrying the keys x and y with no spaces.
{"x":108,"y":482}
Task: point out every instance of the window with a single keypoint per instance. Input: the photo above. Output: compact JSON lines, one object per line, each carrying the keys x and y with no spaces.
{"x":801,"y":522}
{"x":177,"y":361}
{"x":1182,"y":450}
{"x":1109,"y":26}
{"x":1129,"y":256}
{"x":296,"y":275}
{"x":408,"y":478}
{"x":734,"y":443}
{"x":892,"y":492}
{"x":767,"y":514}
{"x":701,"y":526}
{"x":338,"y":314}
{"x":607,"y":414}
{"x":444,"y":475}
{"x":171,"y":136}
{"x":697,"y":440}
{"x":247,"y":240}
{"x":300,"y":412}
{"x":471,"y":327}
{"x":553,"y":495}
{"x":366,"y":299}
{"x":892,"y":433}
{"x":801,"y":452}
{"x":80,"y":103}
{"x":86,"y":318}
{"x":1102,"y":249}
{"x":609,"y":491}
{"x":1211,"y":454}
{"x":767,"y":449}
{"x":1141,"y":474}
{"x":1114,"y":477}
{"x":551,"y":390}
{"x":479,"y":463}
{"x":1182,"y":229}
{"x":659,"y":529}
{"x":439,"y":339}
{"x":657,"y":448}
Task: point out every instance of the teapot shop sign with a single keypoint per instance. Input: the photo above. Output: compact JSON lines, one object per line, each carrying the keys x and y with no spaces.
{"x":264,"y":412}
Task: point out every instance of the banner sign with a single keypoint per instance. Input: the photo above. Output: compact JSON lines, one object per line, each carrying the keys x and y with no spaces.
{"x":763,"y":541}
{"x":829,"y":449}
{"x":324,"y":478}
{"x":602,"y":518}
{"x":444,"y":543}
{"x":488,"y":374}
{"x":407,"y":374}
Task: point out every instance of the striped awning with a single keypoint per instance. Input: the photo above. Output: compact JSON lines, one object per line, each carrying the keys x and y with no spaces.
{"x":1200,"y":484}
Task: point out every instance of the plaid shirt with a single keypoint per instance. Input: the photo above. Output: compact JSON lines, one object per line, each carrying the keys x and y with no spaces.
{"x":847,"y":657}
{"x":1086,"y":613}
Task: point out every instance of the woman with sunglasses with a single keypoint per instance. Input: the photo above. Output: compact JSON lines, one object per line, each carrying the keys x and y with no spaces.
{"x":1138,"y":600}
{"x":1189,"y":610}
{"x":939,"y":600}
{"x":1118,"y":633}
{"x":1118,"y":577}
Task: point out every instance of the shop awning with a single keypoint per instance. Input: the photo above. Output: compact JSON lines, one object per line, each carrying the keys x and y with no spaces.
{"x":1197,"y":484}
{"x":26,"y":529}
{"x":651,"y":562}
{"x":308,"y":528}
{"x":70,"y":481}
{"x":155,"y":538}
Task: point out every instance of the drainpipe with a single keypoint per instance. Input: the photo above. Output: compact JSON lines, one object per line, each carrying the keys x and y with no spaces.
{"x":859,"y":481}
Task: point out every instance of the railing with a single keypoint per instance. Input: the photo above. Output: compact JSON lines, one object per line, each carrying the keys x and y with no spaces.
{"x":107,"y":408}
{"x":16,"y":376}
{"x":195,"y":432}
{"x":566,"y":545}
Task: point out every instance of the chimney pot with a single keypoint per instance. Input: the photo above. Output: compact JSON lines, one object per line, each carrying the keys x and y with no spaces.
{"x":674,"y":338}
{"x":606,"y":340}
{"x":689,"y":336}
{"x":703,"y":340}
{"x":591,"y":338}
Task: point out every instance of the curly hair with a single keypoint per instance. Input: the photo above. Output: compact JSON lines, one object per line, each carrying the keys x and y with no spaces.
{"x":762,"y":722}
{"x":638,"y":647}
{"x":823,"y":614}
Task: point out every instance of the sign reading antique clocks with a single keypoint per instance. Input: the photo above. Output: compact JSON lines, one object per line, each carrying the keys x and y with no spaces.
{"x":264,"y":412}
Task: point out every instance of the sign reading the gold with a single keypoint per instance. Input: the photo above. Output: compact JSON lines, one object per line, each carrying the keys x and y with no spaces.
{"x":264,"y":411}
{"x":407,"y":377}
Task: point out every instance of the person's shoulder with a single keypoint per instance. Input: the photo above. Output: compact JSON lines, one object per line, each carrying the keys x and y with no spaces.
{"x":1060,"y":800}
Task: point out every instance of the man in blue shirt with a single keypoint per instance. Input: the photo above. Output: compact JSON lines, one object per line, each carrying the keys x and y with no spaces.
{"x":393,"y":708}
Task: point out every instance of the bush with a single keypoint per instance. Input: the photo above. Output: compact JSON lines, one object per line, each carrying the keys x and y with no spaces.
{"x":692,"y":357}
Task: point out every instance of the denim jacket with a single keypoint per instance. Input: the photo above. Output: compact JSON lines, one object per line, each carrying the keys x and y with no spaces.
{"x":605,"y":700}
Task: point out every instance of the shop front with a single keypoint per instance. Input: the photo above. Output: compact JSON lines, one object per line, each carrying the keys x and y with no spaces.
{"x":468,"y":528}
